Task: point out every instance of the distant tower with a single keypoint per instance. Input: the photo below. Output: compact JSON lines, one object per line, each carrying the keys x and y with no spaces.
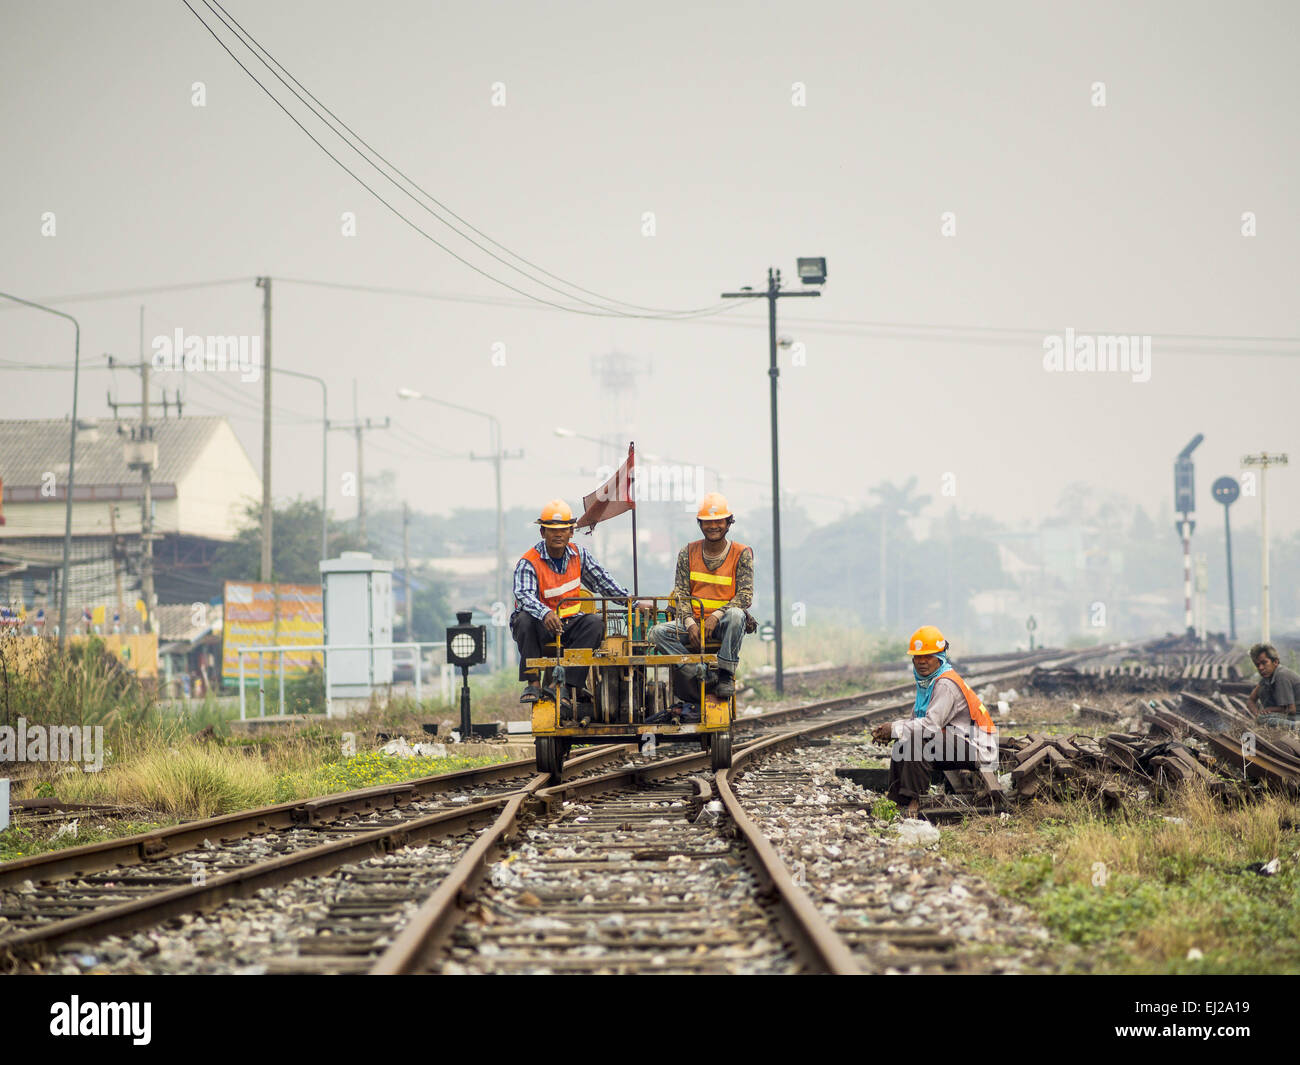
{"x":616,"y":375}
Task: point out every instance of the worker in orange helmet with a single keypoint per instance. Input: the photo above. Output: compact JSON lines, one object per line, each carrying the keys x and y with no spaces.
{"x":949,"y":727}
{"x":547,"y":578}
{"x":719,"y":576}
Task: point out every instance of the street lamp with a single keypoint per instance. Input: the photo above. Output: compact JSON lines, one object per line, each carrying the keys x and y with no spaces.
{"x":811,"y":272}
{"x":1263,"y":460}
{"x":495,"y":458}
{"x":72,"y":462}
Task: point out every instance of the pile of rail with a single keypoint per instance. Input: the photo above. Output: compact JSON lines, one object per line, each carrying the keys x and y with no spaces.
{"x":1200,"y":671}
{"x":1211,"y":739}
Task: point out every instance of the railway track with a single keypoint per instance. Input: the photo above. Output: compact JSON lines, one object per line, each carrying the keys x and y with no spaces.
{"x":351,"y":847}
{"x":589,"y":888}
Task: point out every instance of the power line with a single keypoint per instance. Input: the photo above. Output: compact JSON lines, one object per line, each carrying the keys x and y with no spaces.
{"x":599,"y":313}
{"x":274,"y":66}
{"x":123,"y":293}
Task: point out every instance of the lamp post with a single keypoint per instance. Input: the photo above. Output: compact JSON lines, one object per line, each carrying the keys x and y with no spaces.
{"x":1263,"y":460}
{"x":811,"y":272}
{"x":496,"y":458}
{"x":324,"y":457}
{"x":72,"y":462}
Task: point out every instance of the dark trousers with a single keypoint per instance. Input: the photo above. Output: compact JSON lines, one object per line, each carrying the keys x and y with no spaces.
{"x":911,"y":774}
{"x":580,"y":630}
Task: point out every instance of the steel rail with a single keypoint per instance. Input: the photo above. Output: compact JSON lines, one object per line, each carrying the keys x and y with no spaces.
{"x":161,"y":906}
{"x":435,"y":916}
{"x":153,"y":909}
{"x":145,"y":847}
{"x":809,"y":930}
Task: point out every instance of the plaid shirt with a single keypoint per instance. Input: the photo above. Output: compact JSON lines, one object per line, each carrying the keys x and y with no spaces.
{"x":594,"y":578}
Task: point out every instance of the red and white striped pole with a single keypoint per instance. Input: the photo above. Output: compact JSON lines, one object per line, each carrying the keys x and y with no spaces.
{"x":1188,"y":624}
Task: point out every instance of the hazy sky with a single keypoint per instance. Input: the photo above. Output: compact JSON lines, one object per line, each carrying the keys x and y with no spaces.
{"x":1123,"y":218}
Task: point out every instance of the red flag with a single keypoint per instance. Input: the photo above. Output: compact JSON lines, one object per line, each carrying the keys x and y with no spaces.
{"x":612,"y":498}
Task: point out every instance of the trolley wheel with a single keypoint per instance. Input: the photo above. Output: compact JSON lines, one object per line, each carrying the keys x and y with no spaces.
{"x":550,"y":760}
{"x":720,"y":749}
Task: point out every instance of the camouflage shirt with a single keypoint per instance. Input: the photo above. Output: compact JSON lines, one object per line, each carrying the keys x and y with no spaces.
{"x":744,"y":597}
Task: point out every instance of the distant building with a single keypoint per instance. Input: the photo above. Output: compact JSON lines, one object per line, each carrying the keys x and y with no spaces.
{"x":201,"y":486}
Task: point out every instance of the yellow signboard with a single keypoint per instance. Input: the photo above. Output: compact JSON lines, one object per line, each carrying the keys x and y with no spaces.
{"x":263,"y":615}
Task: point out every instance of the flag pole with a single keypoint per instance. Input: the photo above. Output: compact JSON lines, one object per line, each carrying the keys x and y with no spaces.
{"x":631,"y":451}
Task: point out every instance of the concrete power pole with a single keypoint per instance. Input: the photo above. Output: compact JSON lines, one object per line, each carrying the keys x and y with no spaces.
{"x":146,"y":480}
{"x":264,"y":283}
{"x":406,"y":571}
{"x":358,"y":428}
{"x":1263,"y":460}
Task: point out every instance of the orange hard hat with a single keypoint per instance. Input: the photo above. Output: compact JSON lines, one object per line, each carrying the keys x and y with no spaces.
{"x":555,"y":514}
{"x":713,"y":506}
{"x":927,"y":640}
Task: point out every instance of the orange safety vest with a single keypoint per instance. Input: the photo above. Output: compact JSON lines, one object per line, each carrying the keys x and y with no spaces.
{"x":974,"y":703}
{"x":713,"y":588}
{"x":552,"y":586}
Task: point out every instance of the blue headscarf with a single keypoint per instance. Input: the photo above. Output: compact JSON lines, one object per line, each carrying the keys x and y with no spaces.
{"x":925,"y":685}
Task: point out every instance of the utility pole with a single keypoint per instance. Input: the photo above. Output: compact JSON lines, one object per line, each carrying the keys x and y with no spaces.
{"x":264,"y":283}
{"x":811,"y":272}
{"x":358,"y":427}
{"x":496,"y":458}
{"x":406,"y":570}
{"x":1263,"y":460}
{"x":324,"y":455}
{"x":142,"y":455}
{"x":146,"y":479}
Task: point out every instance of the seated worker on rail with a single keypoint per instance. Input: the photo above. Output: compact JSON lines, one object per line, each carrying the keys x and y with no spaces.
{"x":720,"y":575}
{"x":949,"y":727}
{"x":1278,"y":690}
{"x":552,"y":570}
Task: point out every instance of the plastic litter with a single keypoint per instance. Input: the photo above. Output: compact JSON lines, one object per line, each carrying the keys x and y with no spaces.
{"x":917,"y":832}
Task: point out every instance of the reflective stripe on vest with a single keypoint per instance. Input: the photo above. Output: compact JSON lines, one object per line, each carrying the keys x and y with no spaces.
{"x":713,"y":588}
{"x":974,"y":704}
{"x":552,"y":586}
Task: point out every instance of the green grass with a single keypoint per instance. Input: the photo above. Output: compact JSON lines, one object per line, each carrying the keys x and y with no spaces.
{"x":20,"y":841}
{"x":1134,"y":896}
{"x":197,"y":781}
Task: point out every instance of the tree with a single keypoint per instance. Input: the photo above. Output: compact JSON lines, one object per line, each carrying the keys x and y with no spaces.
{"x":897,"y":505}
{"x":295,"y":545}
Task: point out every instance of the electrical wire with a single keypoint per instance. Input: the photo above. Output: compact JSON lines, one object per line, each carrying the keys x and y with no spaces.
{"x":274,"y":64}
{"x":599,"y":313}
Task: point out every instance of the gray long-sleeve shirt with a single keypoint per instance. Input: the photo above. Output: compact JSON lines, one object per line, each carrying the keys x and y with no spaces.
{"x":946,"y":715}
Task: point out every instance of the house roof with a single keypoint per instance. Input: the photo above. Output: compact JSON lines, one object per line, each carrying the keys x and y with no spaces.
{"x":30,"y":449}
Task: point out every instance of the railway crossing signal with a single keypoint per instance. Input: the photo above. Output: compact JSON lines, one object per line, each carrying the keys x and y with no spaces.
{"x":466,"y":646}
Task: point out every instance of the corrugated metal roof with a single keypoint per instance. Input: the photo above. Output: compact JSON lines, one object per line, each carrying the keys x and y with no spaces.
{"x":30,"y":449}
